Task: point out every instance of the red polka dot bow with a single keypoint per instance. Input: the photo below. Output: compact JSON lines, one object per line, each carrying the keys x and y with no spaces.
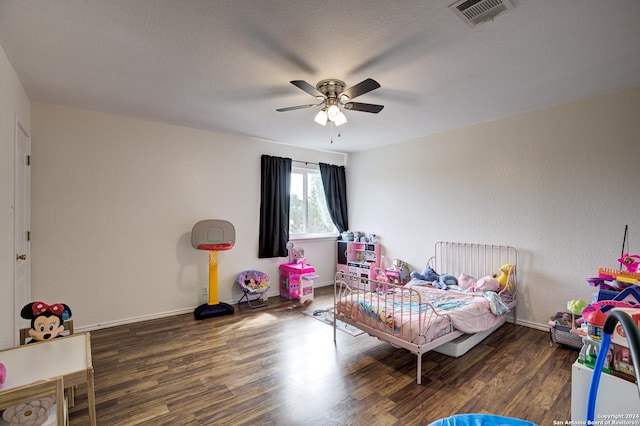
{"x":40,"y":307}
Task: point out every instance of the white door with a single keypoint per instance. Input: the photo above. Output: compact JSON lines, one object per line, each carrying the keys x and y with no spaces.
{"x":22,"y":278}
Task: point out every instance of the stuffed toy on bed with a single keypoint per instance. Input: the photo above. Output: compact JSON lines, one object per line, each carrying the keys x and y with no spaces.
{"x":427,"y":275}
{"x":487,"y":283}
{"x":439,"y":281}
{"x":503,"y":277}
{"x":47,"y":321}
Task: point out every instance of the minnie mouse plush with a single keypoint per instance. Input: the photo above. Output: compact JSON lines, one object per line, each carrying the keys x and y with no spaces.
{"x":47,"y":321}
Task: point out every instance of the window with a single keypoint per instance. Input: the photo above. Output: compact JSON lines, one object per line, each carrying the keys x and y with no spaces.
{"x":308,"y":215}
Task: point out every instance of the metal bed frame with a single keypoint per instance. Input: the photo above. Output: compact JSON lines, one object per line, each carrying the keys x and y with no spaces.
{"x":477,"y":260}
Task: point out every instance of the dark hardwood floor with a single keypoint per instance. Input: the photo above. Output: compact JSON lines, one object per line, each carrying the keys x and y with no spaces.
{"x":277,"y":366}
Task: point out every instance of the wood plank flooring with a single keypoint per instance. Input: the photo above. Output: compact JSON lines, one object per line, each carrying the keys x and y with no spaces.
{"x":277,"y":366}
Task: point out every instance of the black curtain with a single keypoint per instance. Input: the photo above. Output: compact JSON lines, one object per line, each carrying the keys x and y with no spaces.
{"x":334,"y":182}
{"x":275,"y":189}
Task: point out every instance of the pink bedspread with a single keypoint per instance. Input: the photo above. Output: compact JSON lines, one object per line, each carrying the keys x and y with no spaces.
{"x":419,"y":314}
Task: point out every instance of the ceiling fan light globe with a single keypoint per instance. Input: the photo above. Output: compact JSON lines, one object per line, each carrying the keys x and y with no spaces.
{"x":321,"y":117}
{"x":333,"y":112}
{"x":340,"y":119}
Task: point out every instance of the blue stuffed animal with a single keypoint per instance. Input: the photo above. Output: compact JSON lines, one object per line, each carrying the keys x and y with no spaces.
{"x":439,"y":281}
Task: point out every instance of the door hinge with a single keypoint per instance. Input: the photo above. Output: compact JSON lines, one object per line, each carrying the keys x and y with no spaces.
{"x":28,"y":235}
{"x":28,"y":160}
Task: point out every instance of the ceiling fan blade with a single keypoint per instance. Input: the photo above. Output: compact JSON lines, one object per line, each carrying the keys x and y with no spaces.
{"x":307,"y":88}
{"x":361,"y":88}
{"x":357,"y":106}
{"x":296,"y":107}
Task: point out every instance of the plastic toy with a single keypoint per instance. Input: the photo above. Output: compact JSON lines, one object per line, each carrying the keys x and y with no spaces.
{"x":589,"y":354}
{"x":347,"y":236}
{"x":614,"y":274}
{"x":306,"y":287}
{"x":480,"y":419}
{"x":596,"y":313}
{"x":633,"y":337}
{"x":576,"y":306}
{"x":630,"y":261}
{"x":291,"y":279}
{"x":392,"y":276}
{"x":403,"y":270}
{"x":3,"y":374}
{"x":622,"y":362}
{"x":380,"y":274}
{"x":213,"y":236}
{"x":630,"y":295}
{"x":47,"y":321}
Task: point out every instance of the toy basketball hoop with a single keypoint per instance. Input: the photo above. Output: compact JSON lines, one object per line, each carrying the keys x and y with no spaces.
{"x":215,"y":247}
{"x":216,"y":252}
{"x":216,"y":237}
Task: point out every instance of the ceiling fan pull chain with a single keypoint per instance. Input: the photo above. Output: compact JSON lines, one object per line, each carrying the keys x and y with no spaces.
{"x":338,"y":135}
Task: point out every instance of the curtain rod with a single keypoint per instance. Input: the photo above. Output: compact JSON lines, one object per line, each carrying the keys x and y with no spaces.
{"x":305,"y":162}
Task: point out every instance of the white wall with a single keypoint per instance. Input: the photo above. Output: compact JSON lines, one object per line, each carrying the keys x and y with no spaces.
{"x":559,"y":184}
{"x":114,"y":200}
{"x":13,"y":103}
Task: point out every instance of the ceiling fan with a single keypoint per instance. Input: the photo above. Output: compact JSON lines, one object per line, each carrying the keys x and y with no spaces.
{"x":332,"y":96}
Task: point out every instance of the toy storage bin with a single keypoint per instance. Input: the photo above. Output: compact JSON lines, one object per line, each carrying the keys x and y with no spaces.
{"x":560,"y":328}
{"x":562,"y":334}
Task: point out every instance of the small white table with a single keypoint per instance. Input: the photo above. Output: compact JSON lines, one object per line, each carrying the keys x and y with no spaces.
{"x":69,"y":357}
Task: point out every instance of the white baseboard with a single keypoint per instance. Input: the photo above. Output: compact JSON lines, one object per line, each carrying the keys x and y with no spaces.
{"x":133,"y":320}
{"x":274,"y":291}
{"x":529,"y":324}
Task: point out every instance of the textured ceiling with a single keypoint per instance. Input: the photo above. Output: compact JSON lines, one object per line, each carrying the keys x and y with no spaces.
{"x":225,"y":66}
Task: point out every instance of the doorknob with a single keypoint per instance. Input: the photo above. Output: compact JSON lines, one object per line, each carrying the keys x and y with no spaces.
{"x":21,"y":257}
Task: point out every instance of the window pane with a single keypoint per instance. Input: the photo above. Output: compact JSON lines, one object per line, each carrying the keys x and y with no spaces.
{"x":296,"y":212}
{"x":318,"y":218}
{"x":308,"y":212}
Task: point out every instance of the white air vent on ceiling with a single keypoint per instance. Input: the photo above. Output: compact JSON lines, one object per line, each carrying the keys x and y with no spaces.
{"x":473,"y":12}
